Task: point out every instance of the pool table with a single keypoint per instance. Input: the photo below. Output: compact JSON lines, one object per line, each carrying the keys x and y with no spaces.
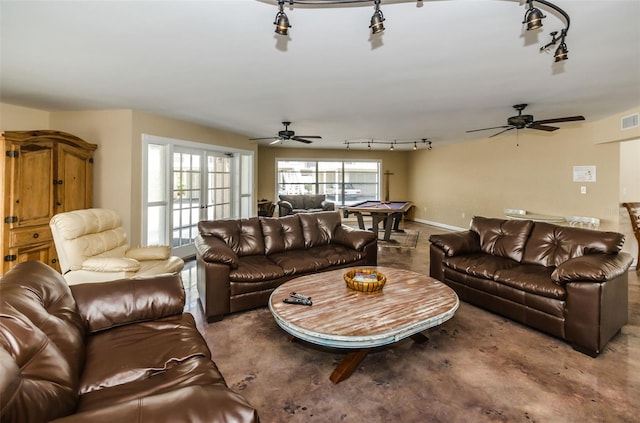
{"x":388,"y":212}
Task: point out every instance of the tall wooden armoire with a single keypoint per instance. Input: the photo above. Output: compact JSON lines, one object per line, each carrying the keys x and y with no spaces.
{"x":45,"y":173}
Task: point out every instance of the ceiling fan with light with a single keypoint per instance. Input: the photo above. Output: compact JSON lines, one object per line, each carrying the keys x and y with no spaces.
{"x":287,"y":135}
{"x":526,"y":121}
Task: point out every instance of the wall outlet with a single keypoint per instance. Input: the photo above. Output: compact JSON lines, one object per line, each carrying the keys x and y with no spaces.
{"x":583,"y":189}
{"x":464,"y":215}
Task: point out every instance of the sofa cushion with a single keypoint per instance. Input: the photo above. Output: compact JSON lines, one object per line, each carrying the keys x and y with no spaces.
{"x":479,"y":264}
{"x":550,"y":245}
{"x":282,"y":234}
{"x":193,"y":402}
{"x":311,"y":201}
{"x":255,"y":269}
{"x":120,"y":302}
{"x":244,"y":236}
{"x":139,"y":351}
{"x":296,"y":201}
{"x":318,"y":228}
{"x":503,"y":238}
{"x":315,"y":259}
{"x":297,"y":262}
{"x":533,"y":279}
{"x":196,"y":371}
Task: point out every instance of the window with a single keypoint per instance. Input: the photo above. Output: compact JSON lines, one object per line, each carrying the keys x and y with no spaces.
{"x":344,"y":182}
{"x":186,"y":182}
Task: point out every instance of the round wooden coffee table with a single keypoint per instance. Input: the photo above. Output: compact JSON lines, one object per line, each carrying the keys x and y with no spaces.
{"x":342,"y":318}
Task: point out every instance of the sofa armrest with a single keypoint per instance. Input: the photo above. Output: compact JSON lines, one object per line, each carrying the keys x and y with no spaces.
{"x":328,"y":205}
{"x":214,"y":250}
{"x":111,"y":264}
{"x":353,"y":238}
{"x":105,"y":305}
{"x":284,"y":208}
{"x":592,"y":268}
{"x":457,"y":243}
{"x":150,"y":252}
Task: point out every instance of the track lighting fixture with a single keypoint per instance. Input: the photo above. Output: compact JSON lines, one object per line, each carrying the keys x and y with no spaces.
{"x":281,"y":21}
{"x":533,"y":18}
{"x":391,"y":144}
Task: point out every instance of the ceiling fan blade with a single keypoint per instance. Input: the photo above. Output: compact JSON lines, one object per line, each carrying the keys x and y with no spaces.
{"x":501,"y":132}
{"x":302,"y":140}
{"x":536,"y":125}
{"x":265,"y":138}
{"x":558,"y":120}
{"x":307,"y":136}
{"x":493,"y":127}
{"x":275,"y":141}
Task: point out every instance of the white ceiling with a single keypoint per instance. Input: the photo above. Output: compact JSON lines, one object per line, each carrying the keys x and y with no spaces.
{"x":439,"y":69}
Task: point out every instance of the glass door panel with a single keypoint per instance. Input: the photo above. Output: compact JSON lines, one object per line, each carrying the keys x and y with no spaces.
{"x":186,"y":190}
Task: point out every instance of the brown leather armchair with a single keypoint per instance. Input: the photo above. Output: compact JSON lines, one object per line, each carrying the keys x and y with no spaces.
{"x":118,"y":351}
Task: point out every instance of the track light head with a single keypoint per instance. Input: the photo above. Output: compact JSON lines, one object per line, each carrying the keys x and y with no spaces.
{"x":281,"y":21}
{"x":376,"y":20}
{"x":562,"y":53}
{"x":533,"y":17}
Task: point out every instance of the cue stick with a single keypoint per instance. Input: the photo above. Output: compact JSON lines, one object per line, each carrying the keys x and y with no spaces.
{"x":387,"y":174}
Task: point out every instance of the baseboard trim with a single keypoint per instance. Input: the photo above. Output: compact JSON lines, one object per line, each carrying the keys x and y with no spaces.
{"x":441,"y":225}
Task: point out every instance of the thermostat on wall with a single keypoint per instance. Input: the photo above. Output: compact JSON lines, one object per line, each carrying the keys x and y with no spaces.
{"x":584,"y":174}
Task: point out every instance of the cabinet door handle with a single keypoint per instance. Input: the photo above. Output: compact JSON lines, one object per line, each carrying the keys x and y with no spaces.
{"x":36,"y":235}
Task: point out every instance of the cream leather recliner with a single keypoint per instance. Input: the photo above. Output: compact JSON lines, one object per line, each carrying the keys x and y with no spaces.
{"x":92,"y":247}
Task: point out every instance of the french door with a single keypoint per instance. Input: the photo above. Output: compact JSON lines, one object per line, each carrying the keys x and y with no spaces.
{"x":201,"y":190}
{"x":201,"y":184}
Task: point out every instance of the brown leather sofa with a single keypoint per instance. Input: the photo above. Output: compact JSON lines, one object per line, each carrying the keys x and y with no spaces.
{"x":303,"y":203}
{"x":240,"y":262}
{"x":118,"y":351}
{"x":571,"y":283}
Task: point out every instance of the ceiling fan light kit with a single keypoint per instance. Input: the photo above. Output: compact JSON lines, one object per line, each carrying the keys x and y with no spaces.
{"x":533,"y":19}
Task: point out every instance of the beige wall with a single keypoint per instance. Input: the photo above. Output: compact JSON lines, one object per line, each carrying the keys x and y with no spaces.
{"x":395,"y":162}
{"x":16,"y":118}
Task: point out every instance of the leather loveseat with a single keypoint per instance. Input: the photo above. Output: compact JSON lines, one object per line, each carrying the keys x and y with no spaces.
{"x":303,"y":203}
{"x":118,"y":351}
{"x":568,"y":282}
{"x":240,"y":262}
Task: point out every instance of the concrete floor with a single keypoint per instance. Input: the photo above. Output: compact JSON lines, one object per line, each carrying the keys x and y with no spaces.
{"x":476,"y":367}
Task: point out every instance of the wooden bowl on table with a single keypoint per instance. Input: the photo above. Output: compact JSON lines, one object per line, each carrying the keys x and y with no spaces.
{"x":365,"y":280}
